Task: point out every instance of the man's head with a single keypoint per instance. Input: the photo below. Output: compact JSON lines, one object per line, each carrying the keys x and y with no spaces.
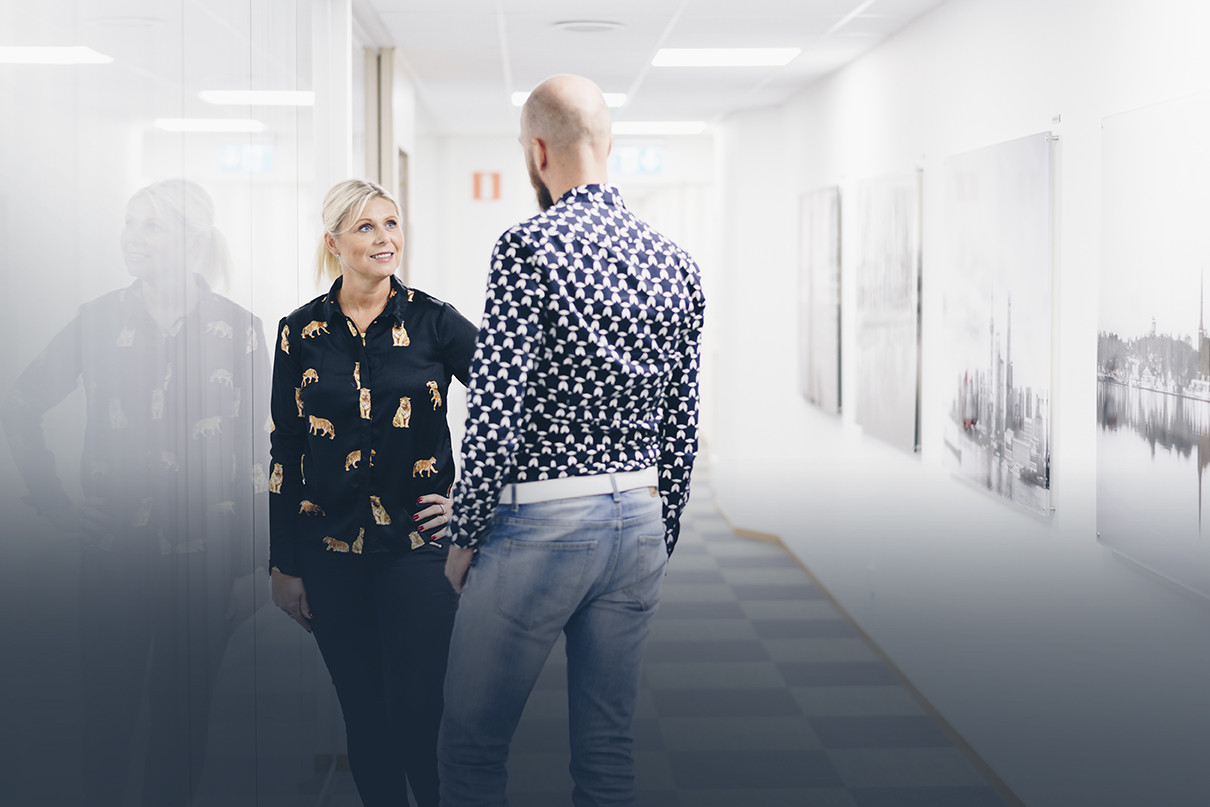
{"x":565,"y":131}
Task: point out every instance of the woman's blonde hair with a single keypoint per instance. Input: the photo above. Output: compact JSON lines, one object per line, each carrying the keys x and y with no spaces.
{"x":344,"y":203}
{"x":187,"y":207}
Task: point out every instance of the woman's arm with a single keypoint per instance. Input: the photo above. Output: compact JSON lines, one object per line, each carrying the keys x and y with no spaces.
{"x":49,"y":378}
{"x":287,"y":445}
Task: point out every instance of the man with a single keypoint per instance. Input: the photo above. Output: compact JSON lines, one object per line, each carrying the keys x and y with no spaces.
{"x":581,"y":434}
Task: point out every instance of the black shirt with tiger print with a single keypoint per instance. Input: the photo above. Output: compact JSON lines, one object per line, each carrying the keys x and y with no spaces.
{"x":359,"y":427}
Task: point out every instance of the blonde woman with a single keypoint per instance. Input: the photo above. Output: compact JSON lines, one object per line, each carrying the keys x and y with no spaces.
{"x":359,"y":489}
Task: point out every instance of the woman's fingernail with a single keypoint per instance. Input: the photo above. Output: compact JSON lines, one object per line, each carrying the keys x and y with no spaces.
{"x":421,"y":528}
{"x":415,"y":518}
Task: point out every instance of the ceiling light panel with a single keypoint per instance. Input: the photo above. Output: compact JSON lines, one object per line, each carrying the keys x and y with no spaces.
{"x":259,"y":97}
{"x":659,"y":127}
{"x":65,"y":54}
{"x":724,"y":57}
{"x":210,"y":125}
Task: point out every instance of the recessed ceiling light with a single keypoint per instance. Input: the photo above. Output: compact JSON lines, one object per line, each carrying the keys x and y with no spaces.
{"x":70,"y":54}
{"x":659,"y":127}
{"x":237,"y":125}
{"x":724,"y":57}
{"x":588,"y":26}
{"x":613,"y":100}
{"x":127,"y":21}
{"x":259,"y":97}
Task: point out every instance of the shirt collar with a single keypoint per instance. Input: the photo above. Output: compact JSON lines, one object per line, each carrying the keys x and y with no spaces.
{"x":597,"y":193}
{"x":394,"y":308}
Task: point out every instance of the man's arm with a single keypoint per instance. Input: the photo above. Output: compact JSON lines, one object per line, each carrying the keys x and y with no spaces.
{"x":509,"y":337}
{"x":678,"y":429}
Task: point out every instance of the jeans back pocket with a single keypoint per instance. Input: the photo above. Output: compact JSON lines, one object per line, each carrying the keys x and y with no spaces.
{"x":540,"y":581}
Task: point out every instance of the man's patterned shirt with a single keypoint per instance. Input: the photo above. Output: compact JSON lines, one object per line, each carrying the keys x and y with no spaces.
{"x":586,"y":361}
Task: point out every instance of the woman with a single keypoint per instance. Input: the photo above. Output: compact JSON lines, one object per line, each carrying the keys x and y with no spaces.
{"x":169,"y":476}
{"x":359,"y":490}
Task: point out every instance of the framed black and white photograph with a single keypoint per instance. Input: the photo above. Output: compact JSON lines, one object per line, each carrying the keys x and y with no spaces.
{"x":996,"y":310}
{"x":819,"y":298}
{"x":1153,"y":347}
{"x":886,"y":263}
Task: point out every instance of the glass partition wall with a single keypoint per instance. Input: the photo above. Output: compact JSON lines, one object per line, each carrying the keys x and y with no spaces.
{"x":162,"y":164}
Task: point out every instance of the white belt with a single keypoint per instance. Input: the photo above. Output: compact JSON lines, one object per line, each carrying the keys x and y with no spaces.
{"x":571,"y":487}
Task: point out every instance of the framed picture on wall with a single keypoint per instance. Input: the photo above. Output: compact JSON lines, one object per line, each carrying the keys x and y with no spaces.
{"x":886,"y":264}
{"x":996,"y":312}
{"x":1153,"y":347}
{"x":819,"y":298}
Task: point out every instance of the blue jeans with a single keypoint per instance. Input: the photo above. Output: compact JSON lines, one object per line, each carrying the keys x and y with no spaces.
{"x":590,"y":567}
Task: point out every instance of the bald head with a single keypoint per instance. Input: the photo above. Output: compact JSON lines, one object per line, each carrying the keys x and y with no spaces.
{"x":568,"y":113}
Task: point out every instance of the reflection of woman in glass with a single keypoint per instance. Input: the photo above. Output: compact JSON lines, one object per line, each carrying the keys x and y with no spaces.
{"x":168,"y":476}
{"x":358,"y":504}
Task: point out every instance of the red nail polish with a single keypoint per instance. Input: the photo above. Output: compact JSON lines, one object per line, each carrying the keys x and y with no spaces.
{"x":415,"y":518}
{"x":421,"y":528}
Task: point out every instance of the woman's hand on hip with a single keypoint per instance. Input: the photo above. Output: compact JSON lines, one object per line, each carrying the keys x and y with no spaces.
{"x":433,"y":521}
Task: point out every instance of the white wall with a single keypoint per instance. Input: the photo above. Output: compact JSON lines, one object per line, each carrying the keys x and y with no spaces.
{"x":1078,"y":677}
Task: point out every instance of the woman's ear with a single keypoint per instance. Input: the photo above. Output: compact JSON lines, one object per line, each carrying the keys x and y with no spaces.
{"x":330,"y":242}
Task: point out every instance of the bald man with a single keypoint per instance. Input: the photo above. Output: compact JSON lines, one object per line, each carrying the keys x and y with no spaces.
{"x":581,"y":434}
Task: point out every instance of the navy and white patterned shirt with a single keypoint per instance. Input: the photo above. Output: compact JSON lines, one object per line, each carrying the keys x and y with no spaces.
{"x":586,"y":361}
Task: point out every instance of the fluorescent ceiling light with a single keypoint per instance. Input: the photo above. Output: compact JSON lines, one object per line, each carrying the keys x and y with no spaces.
{"x":259,"y":97}
{"x":724,"y":57}
{"x":240,"y":125}
{"x":659,"y":127}
{"x":612,"y":99}
{"x":69,"y":54}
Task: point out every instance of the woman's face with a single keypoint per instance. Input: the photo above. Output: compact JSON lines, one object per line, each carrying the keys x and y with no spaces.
{"x":372,"y":245}
{"x":149,"y":245}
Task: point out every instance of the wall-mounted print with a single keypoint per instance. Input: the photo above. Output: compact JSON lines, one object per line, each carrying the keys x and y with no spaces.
{"x":819,"y":299}
{"x":1153,"y":345}
{"x":996,"y":310}
{"x":886,"y":263}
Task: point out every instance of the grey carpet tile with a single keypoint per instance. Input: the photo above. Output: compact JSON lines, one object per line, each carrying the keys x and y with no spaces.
{"x":834,"y":673}
{"x":725,"y":703}
{"x":879,"y":731}
{"x":753,"y":770}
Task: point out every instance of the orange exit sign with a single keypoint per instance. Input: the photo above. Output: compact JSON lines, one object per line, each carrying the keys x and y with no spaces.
{"x":487,"y":185}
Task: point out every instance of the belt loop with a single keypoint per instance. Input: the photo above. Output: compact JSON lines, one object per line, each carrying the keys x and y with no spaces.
{"x":613,"y":483}
{"x":512,"y":487}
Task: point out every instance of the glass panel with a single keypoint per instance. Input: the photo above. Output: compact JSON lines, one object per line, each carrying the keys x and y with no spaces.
{"x":147,"y":263}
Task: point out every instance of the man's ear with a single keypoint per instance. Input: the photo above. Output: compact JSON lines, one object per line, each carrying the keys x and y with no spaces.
{"x":541,"y":156}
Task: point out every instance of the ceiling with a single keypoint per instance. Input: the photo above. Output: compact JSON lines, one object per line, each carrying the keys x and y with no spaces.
{"x":468,"y":56}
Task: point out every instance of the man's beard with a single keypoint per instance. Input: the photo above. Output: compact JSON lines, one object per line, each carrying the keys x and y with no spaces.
{"x":544,"y":198}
